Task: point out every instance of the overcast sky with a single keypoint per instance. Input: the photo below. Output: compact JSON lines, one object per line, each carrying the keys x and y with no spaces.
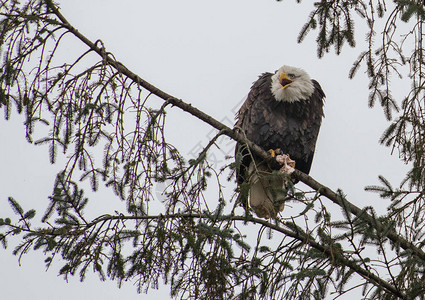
{"x":207,"y":53}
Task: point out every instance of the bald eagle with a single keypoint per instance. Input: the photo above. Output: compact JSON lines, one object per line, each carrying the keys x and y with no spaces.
{"x":283,"y":112}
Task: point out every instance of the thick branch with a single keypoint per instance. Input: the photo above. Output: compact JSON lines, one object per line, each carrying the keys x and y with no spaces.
{"x":237,"y":136}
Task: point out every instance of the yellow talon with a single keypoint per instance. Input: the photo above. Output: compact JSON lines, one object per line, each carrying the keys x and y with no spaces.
{"x":273,"y":153}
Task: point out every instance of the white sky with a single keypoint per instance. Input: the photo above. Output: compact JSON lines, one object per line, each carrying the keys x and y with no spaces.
{"x":208,"y":53}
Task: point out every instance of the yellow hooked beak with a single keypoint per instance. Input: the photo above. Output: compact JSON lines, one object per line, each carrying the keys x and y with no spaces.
{"x":284,"y":80}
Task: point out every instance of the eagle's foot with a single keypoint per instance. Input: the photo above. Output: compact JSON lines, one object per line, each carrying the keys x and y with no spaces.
{"x":274,"y":152}
{"x":288,"y":165}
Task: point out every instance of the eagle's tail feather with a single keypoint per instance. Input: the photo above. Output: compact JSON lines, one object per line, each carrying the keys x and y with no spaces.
{"x":265,"y":192}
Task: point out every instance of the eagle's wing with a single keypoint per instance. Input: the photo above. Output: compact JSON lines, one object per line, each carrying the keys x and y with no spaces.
{"x":262,"y":84}
{"x":311,"y":131}
{"x":245,"y":122}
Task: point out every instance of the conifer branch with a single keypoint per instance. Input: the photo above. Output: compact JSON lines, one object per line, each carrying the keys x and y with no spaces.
{"x":334,"y":256}
{"x":362,"y":214}
{"x":237,"y":136}
{"x":90,"y":107}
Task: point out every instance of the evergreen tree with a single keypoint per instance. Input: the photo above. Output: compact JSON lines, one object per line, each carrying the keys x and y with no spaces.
{"x":201,"y":250}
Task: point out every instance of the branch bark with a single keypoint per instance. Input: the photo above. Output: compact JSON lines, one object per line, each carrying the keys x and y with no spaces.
{"x":237,"y":136}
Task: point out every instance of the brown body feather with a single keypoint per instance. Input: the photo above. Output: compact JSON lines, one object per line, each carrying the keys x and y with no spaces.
{"x":291,"y":126}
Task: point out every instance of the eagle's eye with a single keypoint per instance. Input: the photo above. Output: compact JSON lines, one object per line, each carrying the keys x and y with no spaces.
{"x":291,"y":76}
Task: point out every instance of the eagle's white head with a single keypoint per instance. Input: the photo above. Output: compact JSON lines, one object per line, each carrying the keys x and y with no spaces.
{"x":291,"y":84}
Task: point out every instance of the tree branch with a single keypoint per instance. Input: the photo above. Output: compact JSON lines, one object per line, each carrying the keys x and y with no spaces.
{"x":335,"y":256}
{"x":237,"y":136}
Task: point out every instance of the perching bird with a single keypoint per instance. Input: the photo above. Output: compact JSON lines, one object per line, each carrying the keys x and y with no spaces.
{"x":283,"y":111}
